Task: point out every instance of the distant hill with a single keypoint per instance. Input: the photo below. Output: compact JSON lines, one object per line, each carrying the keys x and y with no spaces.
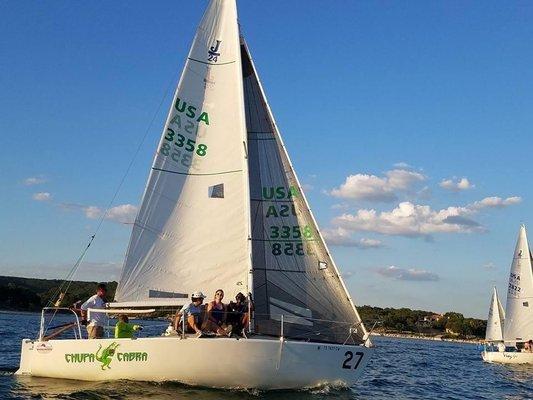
{"x":29,"y":294}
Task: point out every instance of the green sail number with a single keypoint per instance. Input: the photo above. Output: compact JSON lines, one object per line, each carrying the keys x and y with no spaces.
{"x":181,"y":141}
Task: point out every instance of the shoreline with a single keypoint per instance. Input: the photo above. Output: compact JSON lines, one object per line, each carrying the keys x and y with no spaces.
{"x":429,"y":338}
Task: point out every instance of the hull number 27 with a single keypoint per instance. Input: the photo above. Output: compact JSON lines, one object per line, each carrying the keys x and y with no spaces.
{"x":348,"y":363}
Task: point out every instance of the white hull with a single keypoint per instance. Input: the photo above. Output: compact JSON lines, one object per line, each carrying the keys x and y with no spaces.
{"x":507,"y":357}
{"x":219,"y":363}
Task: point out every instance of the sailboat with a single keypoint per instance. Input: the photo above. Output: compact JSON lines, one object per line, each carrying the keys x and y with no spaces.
{"x":223,"y":208}
{"x":495,"y":321}
{"x":518,"y":318}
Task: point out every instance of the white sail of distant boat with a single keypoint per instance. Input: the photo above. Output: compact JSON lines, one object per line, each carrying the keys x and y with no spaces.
{"x":495,"y":321}
{"x":223,"y":208}
{"x":518,"y":318}
{"x":518,"y":325}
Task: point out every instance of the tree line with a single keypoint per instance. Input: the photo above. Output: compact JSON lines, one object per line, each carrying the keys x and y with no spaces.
{"x":405,"y":320}
{"x":28,"y":294}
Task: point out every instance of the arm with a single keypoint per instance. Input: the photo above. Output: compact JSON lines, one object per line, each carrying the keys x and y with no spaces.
{"x":177,"y":320}
{"x":88,"y":304}
{"x":209,"y":312}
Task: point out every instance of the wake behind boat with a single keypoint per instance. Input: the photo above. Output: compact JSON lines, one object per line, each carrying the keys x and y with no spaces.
{"x":508,"y":333}
{"x":222,"y":208}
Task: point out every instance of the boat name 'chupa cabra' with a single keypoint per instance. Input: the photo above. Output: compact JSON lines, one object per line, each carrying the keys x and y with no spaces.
{"x":91,"y":357}
{"x":106,"y":355}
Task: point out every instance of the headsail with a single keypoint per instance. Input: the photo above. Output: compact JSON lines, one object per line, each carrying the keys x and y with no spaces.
{"x":293,"y":272}
{"x":495,"y":321}
{"x":192,"y":229}
{"x":519,"y":308}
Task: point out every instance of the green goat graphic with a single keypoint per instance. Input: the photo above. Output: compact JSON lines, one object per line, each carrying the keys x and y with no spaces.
{"x":107,"y":355}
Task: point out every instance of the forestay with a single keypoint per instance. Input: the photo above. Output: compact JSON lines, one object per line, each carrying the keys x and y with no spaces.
{"x":293,"y":273}
{"x":192,"y":229}
{"x":518,"y":325}
{"x":495,"y":321}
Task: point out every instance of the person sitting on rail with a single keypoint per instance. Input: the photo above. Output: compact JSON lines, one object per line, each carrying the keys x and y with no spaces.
{"x":216,"y":316}
{"x":192,"y":313}
{"x":238,"y":313}
{"x":123,"y":329}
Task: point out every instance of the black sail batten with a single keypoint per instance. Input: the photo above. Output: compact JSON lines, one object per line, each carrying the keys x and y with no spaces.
{"x":293,"y":274}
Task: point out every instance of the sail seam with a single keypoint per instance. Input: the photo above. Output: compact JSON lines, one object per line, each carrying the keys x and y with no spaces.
{"x":282,"y":240}
{"x":272,"y":201}
{"x":186,"y":173}
{"x":208,"y":63}
{"x":280,"y":270}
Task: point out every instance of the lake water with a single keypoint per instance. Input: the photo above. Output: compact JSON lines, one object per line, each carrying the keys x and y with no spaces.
{"x":401,"y":369}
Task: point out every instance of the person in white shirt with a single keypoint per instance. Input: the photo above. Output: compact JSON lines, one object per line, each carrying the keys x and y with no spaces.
{"x":95,"y":327}
{"x":192,"y":314}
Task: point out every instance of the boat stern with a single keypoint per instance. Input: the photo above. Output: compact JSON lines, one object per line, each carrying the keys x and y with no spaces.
{"x":26,"y":354}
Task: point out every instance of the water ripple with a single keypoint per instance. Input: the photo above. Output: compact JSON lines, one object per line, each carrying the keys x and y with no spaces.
{"x":400,"y":370}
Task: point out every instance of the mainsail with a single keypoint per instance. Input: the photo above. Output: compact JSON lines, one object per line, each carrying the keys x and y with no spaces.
{"x":293,"y":272}
{"x":495,"y":321}
{"x":518,"y":325}
{"x":192,"y":229}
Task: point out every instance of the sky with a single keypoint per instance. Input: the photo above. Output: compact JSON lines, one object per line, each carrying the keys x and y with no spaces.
{"x":408,"y":123}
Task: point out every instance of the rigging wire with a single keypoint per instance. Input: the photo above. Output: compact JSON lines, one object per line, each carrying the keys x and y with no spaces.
{"x":65,"y":285}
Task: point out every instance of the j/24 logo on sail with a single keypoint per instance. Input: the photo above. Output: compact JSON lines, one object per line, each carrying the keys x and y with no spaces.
{"x":213,"y":53}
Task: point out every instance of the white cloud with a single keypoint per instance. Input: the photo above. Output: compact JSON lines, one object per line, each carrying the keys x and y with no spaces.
{"x":375,"y":188}
{"x":413,"y":220}
{"x":347,"y":275}
{"x":124,"y":213}
{"x":340,"y":206}
{"x":42,"y":196}
{"x":34,"y":180}
{"x":307,"y":187}
{"x":341,"y":237}
{"x":409,"y":219}
{"x":402,"y":165}
{"x":411,"y":274}
{"x":456,"y":185}
{"x":489,"y":266}
{"x":496,"y":202}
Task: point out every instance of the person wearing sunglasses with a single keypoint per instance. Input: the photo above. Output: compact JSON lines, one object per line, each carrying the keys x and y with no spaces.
{"x":216,"y":316}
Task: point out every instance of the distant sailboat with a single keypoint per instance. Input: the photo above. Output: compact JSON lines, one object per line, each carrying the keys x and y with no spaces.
{"x":223,"y":208}
{"x":495,"y":320}
{"x":518,"y":318}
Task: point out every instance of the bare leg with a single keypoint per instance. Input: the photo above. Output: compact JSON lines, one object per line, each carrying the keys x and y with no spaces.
{"x":212,"y":327}
{"x":191,"y":321}
{"x":245,"y":321}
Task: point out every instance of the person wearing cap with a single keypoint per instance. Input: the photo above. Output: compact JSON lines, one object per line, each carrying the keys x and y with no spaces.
{"x":193,"y":313}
